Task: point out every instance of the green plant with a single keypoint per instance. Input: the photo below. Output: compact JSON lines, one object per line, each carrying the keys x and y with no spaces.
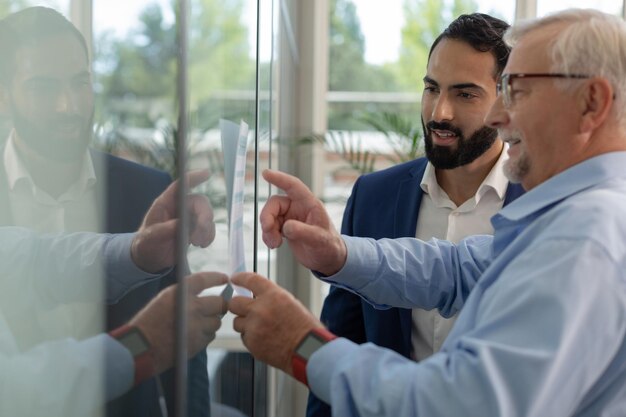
{"x":160,"y":150}
{"x":403,"y":138}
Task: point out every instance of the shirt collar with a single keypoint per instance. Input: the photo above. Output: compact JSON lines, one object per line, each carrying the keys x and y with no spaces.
{"x":429,"y":182}
{"x":579,"y":177}
{"x":18,"y":173}
{"x":495,"y":180}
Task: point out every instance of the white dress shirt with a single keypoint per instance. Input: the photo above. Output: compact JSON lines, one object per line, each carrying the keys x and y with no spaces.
{"x":74,"y":210}
{"x":439,"y":217}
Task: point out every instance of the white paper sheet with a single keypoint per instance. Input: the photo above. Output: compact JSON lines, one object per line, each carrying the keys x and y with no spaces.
{"x":235,"y":147}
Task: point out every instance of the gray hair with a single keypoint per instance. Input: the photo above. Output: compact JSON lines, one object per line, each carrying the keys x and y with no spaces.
{"x":593,"y":43}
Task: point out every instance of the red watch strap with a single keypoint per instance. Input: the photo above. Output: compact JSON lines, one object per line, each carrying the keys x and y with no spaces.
{"x":298,"y":363}
{"x":144,"y":363}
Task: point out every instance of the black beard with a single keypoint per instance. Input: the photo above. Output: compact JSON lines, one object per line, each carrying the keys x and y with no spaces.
{"x":467,"y":150}
{"x":48,"y":147}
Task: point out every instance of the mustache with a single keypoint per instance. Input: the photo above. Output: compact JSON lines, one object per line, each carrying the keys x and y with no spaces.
{"x":444,"y":126}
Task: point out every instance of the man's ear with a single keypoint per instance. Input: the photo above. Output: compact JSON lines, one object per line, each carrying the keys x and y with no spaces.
{"x":596,"y":101}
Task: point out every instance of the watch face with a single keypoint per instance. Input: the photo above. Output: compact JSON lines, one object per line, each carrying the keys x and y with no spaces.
{"x":135,"y":342}
{"x":310,"y":344}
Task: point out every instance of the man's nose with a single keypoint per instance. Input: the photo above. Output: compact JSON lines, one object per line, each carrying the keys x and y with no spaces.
{"x":443,"y":109}
{"x":497,"y":117}
{"x":66,"y":101}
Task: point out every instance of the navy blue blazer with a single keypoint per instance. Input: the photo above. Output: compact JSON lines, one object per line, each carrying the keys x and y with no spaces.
{"x":384,"y":204}
{"x":127,"y":194}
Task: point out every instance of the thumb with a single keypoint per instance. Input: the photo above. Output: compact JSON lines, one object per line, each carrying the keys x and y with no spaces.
{"x":156,"y":214}
{"x":162,"y":232}
{"x":304,"y":234}
{"x":153,"y":247}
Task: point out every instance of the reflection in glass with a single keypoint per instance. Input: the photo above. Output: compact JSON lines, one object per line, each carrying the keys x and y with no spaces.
{"x":118,"y":148}
{"x":49,"y":185}
{"x":136,"y":118}
{"x":222,"y":81}
{"x":135,"y":72}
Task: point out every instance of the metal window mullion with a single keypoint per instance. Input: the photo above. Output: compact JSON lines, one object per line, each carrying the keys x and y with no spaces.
{"x":525,"y":9}
{"x":81,"y":15}
{"x":257,"y":122}
{"x":182,"y":232}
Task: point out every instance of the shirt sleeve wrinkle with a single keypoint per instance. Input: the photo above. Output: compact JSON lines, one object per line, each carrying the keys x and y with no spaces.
{"x":411,"y":273}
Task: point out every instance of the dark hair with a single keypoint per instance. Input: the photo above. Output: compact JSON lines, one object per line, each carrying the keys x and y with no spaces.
{"x":28,"y":27}
{"x":481,"y":31}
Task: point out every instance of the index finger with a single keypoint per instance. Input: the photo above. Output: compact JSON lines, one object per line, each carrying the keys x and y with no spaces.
{"x":292,"y":186}
{"x":200,"y":281}
{"x":202,"y":225}
{"x":256,"y":283}
{"x":193,"y":178}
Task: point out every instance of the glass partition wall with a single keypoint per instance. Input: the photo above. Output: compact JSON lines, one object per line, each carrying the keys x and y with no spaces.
{"x":96,"y":94}
{"x":228,"y":106}
{"x":91,"y":135}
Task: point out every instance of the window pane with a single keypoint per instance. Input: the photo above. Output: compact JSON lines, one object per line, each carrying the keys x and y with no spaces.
{"x":504,"y":10}
{"x":137,"y":118}
{"x":608,"y":6}
{"x":62,"y":6}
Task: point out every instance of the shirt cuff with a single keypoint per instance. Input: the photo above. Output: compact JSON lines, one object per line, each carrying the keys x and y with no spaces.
{"x":119,"y":367}
{"x":325,"y":362}
{"x":362,"y":259}
{"x":122,"y":273}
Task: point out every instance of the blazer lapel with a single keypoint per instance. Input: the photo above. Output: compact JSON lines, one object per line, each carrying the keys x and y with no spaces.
{"x":408,"y":203}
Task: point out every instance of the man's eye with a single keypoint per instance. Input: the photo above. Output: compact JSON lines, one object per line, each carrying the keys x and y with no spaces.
{"x":43,"y":89}
{"x":467,"y":95}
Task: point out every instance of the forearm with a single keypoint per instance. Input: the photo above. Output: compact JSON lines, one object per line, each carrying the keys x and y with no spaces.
{"x":411,"y":273}
{"x":54,"y":269}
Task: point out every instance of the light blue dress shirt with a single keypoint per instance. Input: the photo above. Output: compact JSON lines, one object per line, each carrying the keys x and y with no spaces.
{"x":62,"y":267}
{"x":543,"y":326}
{"x":41,"y":271}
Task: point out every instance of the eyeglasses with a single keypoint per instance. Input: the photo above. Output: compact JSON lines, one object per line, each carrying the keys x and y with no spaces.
{"x":504,"y":84}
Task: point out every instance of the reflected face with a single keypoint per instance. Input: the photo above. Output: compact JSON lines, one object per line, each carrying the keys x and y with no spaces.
{"x":459,"y":89}
{"x":51,"y":99}
{"x":541,"y":122}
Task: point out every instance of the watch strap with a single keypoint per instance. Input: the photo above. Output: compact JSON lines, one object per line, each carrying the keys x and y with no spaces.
{"x":144,"y":362}
{"x":298,"y":363}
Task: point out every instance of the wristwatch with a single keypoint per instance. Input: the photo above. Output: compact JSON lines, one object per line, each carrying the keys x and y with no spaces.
{"x":314,"y":340}
{"x":134,"y":340}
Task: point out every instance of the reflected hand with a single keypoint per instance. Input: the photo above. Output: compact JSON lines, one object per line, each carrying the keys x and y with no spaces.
{"x":273,"y":323}
{"x":303,"y":221}
{"x":156,"y":320}
{"x":154,"y":246}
